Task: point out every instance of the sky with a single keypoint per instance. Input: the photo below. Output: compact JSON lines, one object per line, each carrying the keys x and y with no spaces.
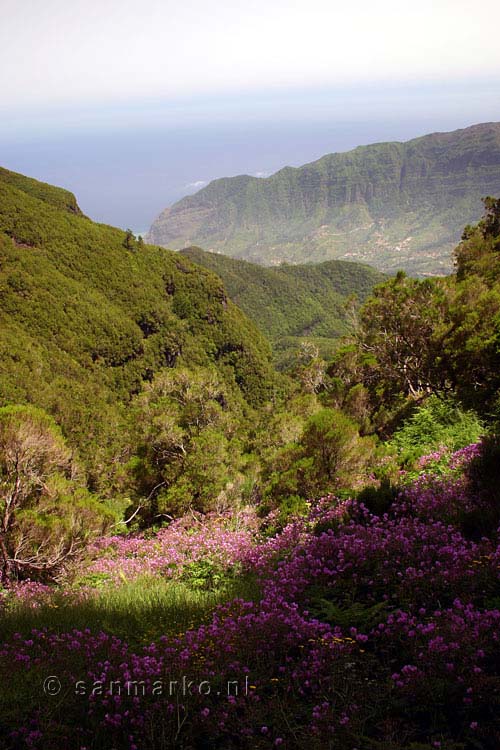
{"x":133,"y":104}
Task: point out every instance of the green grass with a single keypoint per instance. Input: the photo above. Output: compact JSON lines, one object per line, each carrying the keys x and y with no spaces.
{"x":138,"y":612}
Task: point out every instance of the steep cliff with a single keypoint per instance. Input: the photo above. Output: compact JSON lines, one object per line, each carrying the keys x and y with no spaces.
{"x":393,"y":205}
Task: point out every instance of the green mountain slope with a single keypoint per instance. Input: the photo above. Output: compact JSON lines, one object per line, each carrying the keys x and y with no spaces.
{"x":393,"y":205}
{"x":293,"y":303}
{"x":89,"y":316}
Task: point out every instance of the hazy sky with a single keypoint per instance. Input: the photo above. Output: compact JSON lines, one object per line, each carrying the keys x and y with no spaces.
{"x":132,"y":104}
{"x":112,"y":50}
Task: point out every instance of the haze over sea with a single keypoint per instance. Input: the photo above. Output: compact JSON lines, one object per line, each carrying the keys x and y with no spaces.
{"x":127,"y":162}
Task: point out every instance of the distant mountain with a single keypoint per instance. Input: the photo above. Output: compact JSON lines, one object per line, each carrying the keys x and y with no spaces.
{"x":291,"y":304}
{"x":393,"y":205}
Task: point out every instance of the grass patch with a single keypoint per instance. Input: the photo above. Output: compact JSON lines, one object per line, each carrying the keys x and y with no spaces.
{"x":138,"y":612}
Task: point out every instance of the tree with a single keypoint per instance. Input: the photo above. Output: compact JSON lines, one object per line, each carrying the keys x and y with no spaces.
{"x":129,"y":241}
{"x":184,"y":421}
{"x":415,"y":338}
{"x":312,"y":368}
{"x":45,"y":511}
{"x":490,"y":223}
{"x":397,"y":351}
{"x":401,"y":329}
{"x":328,"y":456}
{"x":477,"y":253}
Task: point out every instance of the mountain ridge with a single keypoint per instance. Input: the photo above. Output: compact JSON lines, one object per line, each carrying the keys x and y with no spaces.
{"x":391,"y":204}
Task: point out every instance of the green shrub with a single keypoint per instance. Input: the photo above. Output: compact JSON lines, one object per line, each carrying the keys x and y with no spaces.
{"x":205,"y":575}
{"x":46,"y":512}
{"x":439,"y":423}
{"x":379,"y":499}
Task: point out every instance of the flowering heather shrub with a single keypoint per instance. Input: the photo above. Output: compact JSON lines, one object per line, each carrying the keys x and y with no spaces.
{"x":406,"y":562}
{"x":34,"y":592}
{"x":214,"y":537}
{"x":447,"y":663}
{"x":274,"y":654}
{"x":402,"y":653}
{"x":430,"y":497}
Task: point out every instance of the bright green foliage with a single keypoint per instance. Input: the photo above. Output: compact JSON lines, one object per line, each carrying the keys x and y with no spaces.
{"x":438,"y":423}
{"x":205,"y":575}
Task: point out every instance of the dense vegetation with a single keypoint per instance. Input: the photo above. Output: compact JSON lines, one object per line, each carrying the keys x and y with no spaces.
{"x":415,"y":338}
{"x":394,"y":205}
{"x":293,"y":305}
{"x":197,"y":552}
{"x":91,"y":320}
{"x":348,"y":628}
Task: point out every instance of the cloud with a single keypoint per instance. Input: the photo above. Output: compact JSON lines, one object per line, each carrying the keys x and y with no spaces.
{"x":196,"y":185}
{"x":261,"y":174}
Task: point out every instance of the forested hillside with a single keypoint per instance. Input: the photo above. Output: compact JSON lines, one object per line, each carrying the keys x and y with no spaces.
{"x":393,"y":205}
{"x":293,"y":305}
{"x":91,"y":318}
